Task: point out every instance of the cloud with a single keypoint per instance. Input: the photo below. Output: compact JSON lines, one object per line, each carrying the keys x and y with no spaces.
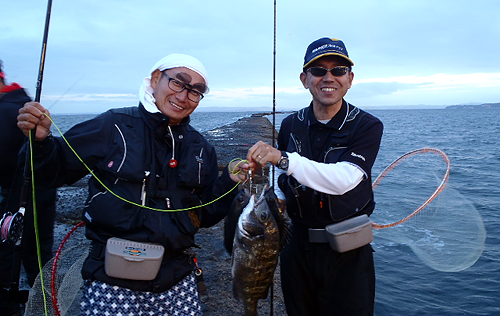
{"x":245,"y":93}
{"x":441,"y":79}
{"x":379,"y":91}
{"x":92,"y":97}
{"x":427,"y":49}
{"x":431,"y":83}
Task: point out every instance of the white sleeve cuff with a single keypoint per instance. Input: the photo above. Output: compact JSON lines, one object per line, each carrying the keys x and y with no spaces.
{"x":330,"y":178}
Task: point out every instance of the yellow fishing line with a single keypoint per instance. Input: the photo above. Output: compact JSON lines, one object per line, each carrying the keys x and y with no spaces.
{"x":144,"y":206}
{"x":35,"y":225}
{"x":116,"y":195}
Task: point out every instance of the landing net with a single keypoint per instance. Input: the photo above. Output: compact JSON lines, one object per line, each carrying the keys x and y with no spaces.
{"x":62,"y":278}
{"x":416,"y":202}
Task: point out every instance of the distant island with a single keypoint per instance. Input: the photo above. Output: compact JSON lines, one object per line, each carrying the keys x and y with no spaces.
{"x":474,"y":106}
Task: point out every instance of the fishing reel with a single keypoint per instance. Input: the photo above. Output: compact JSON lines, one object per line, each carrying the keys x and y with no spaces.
{"x":11,"y":227}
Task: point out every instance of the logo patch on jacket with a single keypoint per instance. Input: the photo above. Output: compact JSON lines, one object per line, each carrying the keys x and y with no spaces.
{"x":358,"y":156}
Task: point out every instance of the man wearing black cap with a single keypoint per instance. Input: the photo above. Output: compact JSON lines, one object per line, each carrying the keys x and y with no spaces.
{"x":324,"y":158}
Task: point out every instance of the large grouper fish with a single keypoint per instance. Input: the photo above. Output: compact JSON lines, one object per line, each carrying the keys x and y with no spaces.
{"x":261,"y":231}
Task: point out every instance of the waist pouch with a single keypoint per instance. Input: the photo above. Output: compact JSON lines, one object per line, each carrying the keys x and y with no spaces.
{"x":125,"y":259}
{"x":301,"y":198}
{"x":344,"y":236}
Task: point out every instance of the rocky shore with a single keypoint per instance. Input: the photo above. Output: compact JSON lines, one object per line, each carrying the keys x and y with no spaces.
{"x":231,"y":141}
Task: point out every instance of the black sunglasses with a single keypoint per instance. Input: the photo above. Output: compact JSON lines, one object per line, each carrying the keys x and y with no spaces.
{"x":338,"y":71}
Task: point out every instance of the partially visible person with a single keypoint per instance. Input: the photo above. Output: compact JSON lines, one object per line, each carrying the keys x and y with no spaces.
{"x":12,"y":98}
{"x":149,"y":155}
{"x":324,"y":157}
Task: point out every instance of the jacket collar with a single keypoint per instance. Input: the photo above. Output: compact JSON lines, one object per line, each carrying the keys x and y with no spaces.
{"x":12,"y":87}
{"x":337,"y":122}
{"x":158,"y":122}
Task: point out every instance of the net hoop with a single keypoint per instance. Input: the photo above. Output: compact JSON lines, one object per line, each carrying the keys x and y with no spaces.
{"x":438,"y":190}
{"x":55,"y":303}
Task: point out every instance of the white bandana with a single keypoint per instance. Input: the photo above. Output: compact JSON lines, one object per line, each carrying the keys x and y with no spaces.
{"x":171,"y":61}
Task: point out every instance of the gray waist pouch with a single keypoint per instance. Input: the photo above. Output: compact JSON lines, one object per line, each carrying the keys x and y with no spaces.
{"x":350,"y":234}
{"x":132,"y":260}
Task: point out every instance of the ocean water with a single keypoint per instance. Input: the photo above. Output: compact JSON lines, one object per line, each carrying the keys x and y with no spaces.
{"x":405,"y":285}
{"x":471,"y":138}
{"x":202,"y":121}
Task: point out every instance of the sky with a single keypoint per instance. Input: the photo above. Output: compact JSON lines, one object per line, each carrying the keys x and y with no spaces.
{"x":407,"y":54}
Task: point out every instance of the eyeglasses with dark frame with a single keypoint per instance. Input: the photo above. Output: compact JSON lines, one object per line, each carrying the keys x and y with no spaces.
{"x":179,"y":86}
{"x":338,"y":71}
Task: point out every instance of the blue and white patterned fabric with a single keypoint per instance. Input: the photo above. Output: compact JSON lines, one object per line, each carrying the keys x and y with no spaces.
{"x":102,"y":299}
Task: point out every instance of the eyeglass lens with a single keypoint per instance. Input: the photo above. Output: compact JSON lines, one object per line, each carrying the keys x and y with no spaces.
{"x":179,"y":86}
{"x":336,"y":71}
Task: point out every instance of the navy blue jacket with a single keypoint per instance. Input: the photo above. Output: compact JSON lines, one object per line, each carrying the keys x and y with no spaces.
{"x":12,"y":138}
{"x":128,"y":150}
{"x":13,"y":190}
{"x":353,"y":136}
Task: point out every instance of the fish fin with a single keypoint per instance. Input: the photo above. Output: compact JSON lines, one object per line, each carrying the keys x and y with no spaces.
{"x":280,"y":215}
{"x":231,"y":220}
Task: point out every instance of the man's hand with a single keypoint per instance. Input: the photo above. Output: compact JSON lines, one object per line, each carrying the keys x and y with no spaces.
{"x":238,"y":170}
{"x":262,"y":153}
{"x":31,"y":116}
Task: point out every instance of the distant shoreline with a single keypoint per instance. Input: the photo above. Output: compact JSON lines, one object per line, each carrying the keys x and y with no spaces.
{"x":475,"y":106}
{"x":264,"y":112}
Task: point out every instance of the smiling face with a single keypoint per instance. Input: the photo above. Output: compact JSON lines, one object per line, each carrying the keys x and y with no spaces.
{"x":327,"y":91}
{"x":175,"y":105}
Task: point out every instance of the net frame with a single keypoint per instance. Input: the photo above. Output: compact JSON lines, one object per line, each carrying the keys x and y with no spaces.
{"x":436,"y":192}
{"x":53,"y":285}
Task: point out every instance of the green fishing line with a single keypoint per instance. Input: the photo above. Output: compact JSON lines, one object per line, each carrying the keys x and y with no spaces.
{"x":144,"y":206}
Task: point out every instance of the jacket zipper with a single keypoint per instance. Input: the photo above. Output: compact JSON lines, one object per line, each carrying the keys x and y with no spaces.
{"x":143,"y":192}
{"x":200,"y":162}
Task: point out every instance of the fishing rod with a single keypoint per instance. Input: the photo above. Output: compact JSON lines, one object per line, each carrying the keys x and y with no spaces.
{"x":271,"y":299}
{"x":44,"y":51}
{"x":274,"y":80}
{"x":12,"y":225}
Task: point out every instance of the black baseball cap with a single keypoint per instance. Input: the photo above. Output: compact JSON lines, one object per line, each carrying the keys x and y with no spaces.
{"x":325,"y":47}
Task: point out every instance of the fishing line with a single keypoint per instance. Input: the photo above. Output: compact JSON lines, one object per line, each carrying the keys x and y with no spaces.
{"x":63,"y":279}
{"x":35,"y":219}
{"x":144,"y":206}
{"x":65,"y":92}
{"x":64,"y":270}
{"x":29,"y":162}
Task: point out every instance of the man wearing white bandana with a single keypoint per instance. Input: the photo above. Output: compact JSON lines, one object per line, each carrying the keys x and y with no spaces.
{"x":151,"y":156}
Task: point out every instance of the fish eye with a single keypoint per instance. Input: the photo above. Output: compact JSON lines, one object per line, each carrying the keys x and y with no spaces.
{"x":264,"y":215}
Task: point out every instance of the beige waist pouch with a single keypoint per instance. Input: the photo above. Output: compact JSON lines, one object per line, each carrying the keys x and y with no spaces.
{"x":132,"y":260}
{"x":350,"y":234}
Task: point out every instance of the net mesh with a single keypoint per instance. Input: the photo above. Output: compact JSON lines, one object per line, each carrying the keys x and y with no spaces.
{"x":62,"y":279}
{"x":448,"y":233}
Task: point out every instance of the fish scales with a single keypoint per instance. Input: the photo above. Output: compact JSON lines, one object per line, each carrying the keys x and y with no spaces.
{"x":258,"y":240}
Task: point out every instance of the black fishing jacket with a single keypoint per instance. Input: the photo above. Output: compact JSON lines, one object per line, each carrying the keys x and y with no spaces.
{"x":353,"y":136}
{"x":128,"y":151}
{"x":12,"y":137}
